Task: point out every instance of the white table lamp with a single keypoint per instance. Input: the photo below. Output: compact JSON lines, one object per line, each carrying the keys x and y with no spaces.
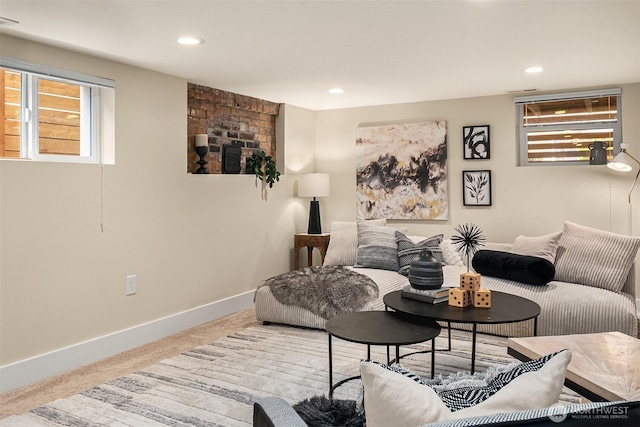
{"x":314,"y":185}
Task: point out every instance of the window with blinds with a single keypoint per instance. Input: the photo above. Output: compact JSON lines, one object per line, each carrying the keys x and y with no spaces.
{"x":562,"y":128}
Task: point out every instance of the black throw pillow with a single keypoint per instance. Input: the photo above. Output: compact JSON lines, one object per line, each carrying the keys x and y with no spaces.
{"x":520,"y":268}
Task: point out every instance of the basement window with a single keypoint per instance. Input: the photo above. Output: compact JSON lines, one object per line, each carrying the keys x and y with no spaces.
{"x":55,"y":115}
{"x":561,"y":128}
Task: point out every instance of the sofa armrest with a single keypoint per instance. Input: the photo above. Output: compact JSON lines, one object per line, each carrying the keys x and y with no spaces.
{"x":630,"y":284}
{"x":275,"y":412}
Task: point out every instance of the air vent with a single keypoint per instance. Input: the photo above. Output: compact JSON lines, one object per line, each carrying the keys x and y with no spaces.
{"x":521,"y":91}
{"x":7,"y":21}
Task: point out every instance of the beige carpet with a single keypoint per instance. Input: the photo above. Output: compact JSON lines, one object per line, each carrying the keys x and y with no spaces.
{"x":26,"y":398}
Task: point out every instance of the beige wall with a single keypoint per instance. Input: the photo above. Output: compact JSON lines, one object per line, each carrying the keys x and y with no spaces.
{"x":190,"y":239}
{"x":526,"y":200}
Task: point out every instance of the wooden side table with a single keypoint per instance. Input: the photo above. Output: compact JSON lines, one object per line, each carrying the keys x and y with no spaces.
{"x":310,"y":241}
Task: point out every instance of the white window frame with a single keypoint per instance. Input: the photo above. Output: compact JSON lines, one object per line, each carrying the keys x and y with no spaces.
{"x":520,"y":101}
{"x":91,"y":104}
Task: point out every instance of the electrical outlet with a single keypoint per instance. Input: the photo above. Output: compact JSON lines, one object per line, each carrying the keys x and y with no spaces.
{"x":132,"y":286}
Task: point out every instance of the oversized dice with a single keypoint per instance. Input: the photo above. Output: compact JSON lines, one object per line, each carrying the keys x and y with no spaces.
{"x":481,"y":298}
{"x":470,"y":281}
{"x":459,"y":297}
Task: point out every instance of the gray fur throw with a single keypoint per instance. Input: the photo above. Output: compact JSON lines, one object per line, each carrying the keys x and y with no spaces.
{"x":325,"y":291}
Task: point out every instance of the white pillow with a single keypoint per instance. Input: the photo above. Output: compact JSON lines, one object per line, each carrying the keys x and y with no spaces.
{"x":451,"y":256}
{"x":343,"y":243}
{"x":393,"y":399}
{"x":541,"y":246}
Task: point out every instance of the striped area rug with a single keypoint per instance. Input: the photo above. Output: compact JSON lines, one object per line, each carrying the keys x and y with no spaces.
{"x":216,"y":384}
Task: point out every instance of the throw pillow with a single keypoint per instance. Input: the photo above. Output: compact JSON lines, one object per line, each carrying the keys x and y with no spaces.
{"x":594,"y":257}
{"x":377,"y":247}
{"x":541,"y":246}
{"x":343,"y":245}
{"x":407,"y":250}
{"x":449,"y":253}
{"x":520,"y":268}
{"x":391,"y":398}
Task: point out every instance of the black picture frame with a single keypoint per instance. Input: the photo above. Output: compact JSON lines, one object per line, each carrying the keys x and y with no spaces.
{"x":476,"y":142}
{"x":476,"y":188}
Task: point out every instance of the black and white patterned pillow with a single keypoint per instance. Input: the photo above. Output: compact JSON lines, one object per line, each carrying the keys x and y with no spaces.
{"x":455,"y":392}
{"x":465,"y":397}
{"x":408,"y":250}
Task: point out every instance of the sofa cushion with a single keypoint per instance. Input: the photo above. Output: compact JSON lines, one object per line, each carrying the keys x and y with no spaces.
{"x":391,"y":398}
{"x":377,"y":247}
{"x":343,"y":245}
{"x":541,"y":246}
{"x":520,"y":268}
{"x":407,"y":250}
{"x":594,"y":257}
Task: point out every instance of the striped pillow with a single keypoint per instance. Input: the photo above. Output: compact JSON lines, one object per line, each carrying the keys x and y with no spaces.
{"x":377,"y":247}
{"x":594,"y":257}
{"x":343,"y":245}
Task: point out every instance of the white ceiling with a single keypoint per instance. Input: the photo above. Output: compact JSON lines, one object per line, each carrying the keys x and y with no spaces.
{"x":379,"y":52}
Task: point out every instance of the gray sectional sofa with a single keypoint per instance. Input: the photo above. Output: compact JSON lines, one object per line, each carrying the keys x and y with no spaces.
{"x":593,"y":289}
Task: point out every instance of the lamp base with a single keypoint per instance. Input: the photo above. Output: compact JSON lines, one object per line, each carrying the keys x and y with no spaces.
{"x":314,"y":218}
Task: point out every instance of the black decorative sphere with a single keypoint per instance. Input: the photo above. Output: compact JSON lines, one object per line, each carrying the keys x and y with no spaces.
{"x":425,"y":271}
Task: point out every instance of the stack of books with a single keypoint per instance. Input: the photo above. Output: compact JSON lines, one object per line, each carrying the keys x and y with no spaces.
{"x":433,"y":296}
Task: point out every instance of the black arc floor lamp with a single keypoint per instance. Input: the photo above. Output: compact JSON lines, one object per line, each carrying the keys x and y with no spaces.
{"x":314,"y":185}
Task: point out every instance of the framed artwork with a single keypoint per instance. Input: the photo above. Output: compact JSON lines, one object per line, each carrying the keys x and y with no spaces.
{"x":401,"y":171}
{"x":476,"y":188}
{"x":476,"y":142}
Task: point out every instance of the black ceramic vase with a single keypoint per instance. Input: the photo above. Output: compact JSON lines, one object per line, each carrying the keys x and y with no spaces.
{"x":598,"y":155}
{"x":425,"y":271}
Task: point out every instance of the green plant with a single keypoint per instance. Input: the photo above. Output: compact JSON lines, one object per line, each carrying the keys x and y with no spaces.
{"x":263,"y":166}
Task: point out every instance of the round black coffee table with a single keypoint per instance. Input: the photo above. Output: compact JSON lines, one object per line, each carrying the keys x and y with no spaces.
{"x":505,"y":308}
{"x":379,"y":328}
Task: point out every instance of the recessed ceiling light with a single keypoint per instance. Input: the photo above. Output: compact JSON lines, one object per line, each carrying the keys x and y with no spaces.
{"x":560,"y":112}
{"x":336,"y":90}
{"x":190,"y":40}
{"x":532,"y":70}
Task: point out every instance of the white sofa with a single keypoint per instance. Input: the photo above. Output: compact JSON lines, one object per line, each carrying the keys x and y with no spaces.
{"x":566,"y":307}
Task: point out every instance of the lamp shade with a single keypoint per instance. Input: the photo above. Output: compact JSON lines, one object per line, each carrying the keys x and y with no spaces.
{"x":622,"y":161}
{"x":313,"y":185}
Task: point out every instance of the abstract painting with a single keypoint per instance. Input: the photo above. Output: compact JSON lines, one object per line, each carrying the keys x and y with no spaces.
{"x":401,"y":171}
{"x":476,"y":188}
{"x":476,"y":142}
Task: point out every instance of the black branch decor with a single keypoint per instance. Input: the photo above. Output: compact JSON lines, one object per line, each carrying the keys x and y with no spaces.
{"x":468,"y":241}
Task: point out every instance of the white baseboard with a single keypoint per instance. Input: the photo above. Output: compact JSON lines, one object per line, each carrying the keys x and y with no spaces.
{"x":65,"y":359}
